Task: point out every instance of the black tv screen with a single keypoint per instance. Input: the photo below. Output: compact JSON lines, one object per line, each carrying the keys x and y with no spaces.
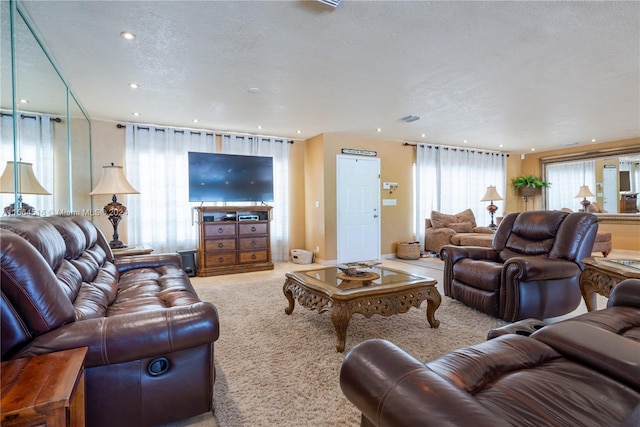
{"x":215,"y":177}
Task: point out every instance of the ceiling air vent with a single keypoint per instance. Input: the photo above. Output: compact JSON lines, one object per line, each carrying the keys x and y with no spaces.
{"x":332,"y":3}
{"x":409,"y":119}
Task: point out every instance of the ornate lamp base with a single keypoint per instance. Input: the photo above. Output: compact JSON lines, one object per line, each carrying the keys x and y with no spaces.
{"x":115,"y":210}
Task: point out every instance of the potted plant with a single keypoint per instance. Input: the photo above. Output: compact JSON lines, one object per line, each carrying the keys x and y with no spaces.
{"x":527,"y":185}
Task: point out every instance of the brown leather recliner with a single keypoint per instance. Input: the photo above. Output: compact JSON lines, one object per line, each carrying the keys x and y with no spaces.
{"x":149,"y":337}
{"x":531,"y":270}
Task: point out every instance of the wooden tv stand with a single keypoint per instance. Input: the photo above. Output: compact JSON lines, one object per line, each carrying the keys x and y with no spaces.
{"x":233,"y":239}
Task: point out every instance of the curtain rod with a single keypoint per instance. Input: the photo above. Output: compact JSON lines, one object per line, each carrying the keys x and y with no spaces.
{"x":162,"y":129}
{"x":444,"y":147}
{"x":27,"y":116}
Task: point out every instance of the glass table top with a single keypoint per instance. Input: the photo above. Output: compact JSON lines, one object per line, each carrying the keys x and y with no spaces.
{"x":387,"y":276}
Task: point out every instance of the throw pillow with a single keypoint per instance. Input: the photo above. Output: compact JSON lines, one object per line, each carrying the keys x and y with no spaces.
{"x":440,"y":220}
{"x":466,"y":216}
{"x":461,"y":227}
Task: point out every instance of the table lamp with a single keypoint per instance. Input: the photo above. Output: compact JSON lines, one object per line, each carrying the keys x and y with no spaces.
{"x":491,"y":195}
{"x":584,"y":193}
{"x":27,"y":184}
{"x":114,"y":182}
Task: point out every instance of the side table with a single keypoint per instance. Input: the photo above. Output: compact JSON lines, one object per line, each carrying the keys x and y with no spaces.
{"x":44,"y":390}
{"x":600,"y":275}
{"x":131,"y":251}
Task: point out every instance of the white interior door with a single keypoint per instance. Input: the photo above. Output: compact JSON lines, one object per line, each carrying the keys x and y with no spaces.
{"x":358,"y":208}
{"x":610,"y":189}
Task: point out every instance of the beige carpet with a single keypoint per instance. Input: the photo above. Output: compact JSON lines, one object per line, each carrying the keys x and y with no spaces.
{"x":275,"y":369}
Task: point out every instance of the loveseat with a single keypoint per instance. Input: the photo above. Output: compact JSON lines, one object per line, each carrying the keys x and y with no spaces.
{"x":458,"y":229}
{"x":584,"y":371}
{"x":149,"y":337}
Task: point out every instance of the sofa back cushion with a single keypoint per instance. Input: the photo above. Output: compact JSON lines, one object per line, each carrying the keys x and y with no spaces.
{"x":33,"y":302}
{"x":440,"y":220}
{"x":554,"y":234}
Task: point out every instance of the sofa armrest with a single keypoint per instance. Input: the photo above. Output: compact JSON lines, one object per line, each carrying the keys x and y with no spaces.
{"x":452,"y":253}
{"x":392,"y":388}
{"x":147,"y":261}
{"x":625,"y":293}
{"x":539,"y":268}
{"x":483,"y":230}
{"x":605,"y":351}
{"x":126,"y":337}
{"x":436,"y":238}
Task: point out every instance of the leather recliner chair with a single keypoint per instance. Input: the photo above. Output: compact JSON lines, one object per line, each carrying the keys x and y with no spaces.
{"x":532,"y":269}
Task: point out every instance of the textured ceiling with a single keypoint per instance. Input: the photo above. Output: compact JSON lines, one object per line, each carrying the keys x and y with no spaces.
{"x":522,"y":74}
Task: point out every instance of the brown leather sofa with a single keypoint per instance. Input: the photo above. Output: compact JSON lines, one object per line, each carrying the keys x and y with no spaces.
{"x":583,"y":371}
{"x":149,"y":337}
{"x":531,"y":270}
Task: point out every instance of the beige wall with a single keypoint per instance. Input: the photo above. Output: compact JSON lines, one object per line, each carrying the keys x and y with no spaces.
{"x":313,"y":179}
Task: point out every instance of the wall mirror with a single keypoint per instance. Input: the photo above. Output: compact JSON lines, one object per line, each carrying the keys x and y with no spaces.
{"x":42,"y":124}
{"x":613,"y":177}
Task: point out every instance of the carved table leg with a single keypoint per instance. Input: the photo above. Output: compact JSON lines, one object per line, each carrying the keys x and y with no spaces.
{"x":433,"y":302}
{"x":340,"y":317}
{"x":289,"y":295}
{"x":587,"y":289}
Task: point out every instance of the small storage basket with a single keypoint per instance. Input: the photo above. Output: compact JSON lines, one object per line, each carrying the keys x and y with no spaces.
{"x":408,"y":250}
{"x":300,"y":256}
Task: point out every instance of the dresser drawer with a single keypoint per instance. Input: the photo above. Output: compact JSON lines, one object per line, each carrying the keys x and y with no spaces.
{"x":219,"y":230}
{"x":252,"y":243}
{"x":252,"y":256}
{"x":217,"y":260}
{"x":219,"y":245}
{"x":248,"y":229}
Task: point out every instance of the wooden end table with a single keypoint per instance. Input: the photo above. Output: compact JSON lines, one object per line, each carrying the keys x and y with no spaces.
{"x":131,"y":251}
{"x":600,"y":275}
{"x":392,"y":292}
{"x":44,"y":390}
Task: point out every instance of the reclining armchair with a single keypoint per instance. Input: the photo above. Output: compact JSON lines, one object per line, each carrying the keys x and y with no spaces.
{"x":532,"y":269}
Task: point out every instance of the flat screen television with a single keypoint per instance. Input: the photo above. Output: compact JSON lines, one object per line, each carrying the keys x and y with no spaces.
{"x":625,"y":182}
{"x":215,"y":177}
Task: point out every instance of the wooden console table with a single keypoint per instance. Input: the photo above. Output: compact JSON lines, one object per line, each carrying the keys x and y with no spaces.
{"x":600,"y":275}
{"x":45,"y":390}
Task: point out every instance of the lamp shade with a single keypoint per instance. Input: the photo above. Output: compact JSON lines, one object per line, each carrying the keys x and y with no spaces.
{"x":584,"y":192}
{"x":113,"y":181}
{"x":491,"y":194}
{"x":27,"y":181}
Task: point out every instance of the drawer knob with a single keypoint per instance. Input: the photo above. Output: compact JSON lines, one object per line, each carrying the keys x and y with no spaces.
{"x":253,"y":229}
{"x":253,"y":243}
{"x":220,"y":230}
{"x":253,"y":256}
{"x":220,"y":259}
{"x":221,"y":245}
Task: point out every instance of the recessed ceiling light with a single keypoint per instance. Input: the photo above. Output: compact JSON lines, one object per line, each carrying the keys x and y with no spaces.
{"x":593,"y":140}
{"x":465,"y":141}
{"x":127,"y":35}
{"x":195,"y":120}
{"x":253,"y":90}
{"x":136,"y":114}
{"x":259,"y":127}
{"x":533,"y":149}
{"x":298,"y":131}
{"x":424,"y":135}
{"x":134,"y":85}
{"x":379,"y":130}
{"x":500,"y":146}
{"x":24,"y":101}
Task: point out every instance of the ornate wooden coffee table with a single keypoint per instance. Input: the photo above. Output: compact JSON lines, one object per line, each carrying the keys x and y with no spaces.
{"x":392,"y":292}
{"x":600,"y":275}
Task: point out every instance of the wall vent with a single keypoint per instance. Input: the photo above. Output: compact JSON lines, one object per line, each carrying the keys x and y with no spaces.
{"x":409,"y":119}
{"x":332,"y":3}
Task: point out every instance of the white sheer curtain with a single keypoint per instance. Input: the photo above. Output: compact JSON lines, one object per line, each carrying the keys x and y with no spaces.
{"x":35,"y":145}
{"x":450,"y":180}
{"x":157,"y":166}
{"x":278,"y":149}
{"x":566,"y":180}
